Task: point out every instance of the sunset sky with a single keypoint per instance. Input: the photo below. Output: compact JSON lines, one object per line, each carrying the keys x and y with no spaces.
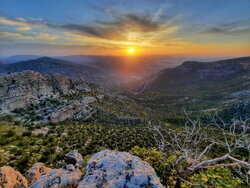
{"x":111,"y":27}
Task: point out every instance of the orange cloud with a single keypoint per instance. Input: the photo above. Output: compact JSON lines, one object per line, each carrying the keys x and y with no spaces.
{"x":24,"y":28}
{"x":47,"y":36}
{"x":18,"y":21}
{"x":16,"y":35}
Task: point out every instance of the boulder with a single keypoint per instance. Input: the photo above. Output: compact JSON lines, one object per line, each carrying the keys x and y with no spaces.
{"x":70,"y":167}
{"x":111,"y":169}
{"x":35,"y":172}
{"x":9,"y":178}
{"x":74,"y":158}
{"x":59,"y":178}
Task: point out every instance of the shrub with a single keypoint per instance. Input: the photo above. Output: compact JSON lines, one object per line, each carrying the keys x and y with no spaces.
{"x":215,"y":177}
{"x":11,"y":133}
{"x":159,"y":161}
{"x":26,"y":133}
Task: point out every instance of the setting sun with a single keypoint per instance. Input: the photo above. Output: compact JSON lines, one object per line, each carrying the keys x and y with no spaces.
{"x":131,"y":50}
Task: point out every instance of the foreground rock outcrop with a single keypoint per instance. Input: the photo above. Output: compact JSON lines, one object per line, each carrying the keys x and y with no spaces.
{"x":111,"y":169}
{"x":34,"y":173}
{"x":9,"y":178}
{"x":62,"y":178}
{"x":74,"y":158}
{"x":106,"y":169}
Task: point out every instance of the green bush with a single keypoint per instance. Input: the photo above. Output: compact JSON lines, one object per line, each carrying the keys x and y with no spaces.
{"x":11,"y":133}
{"x":215,"y":177}
{"x":159,"y":161}
{"x":26,"y":133}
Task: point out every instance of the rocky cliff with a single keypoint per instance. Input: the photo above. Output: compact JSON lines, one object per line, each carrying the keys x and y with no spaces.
{"x":53,"y":98}
{"x":25,"y":89}
{"x":106,"y":169}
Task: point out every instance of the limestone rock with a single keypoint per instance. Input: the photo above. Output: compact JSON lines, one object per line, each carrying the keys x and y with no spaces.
{"x":70,"y":167}
{"x":35,"y":172}
{"x":100,"y":97}
{"x":74,"y":158}
{"x":58,"y":149}
{"x":9,"y":178}
{"x":47,"y":93}
{"x":59,"y":178}
{"x":111,"y":169}
{"x":19,"y":89}
{"x":69,"y":111}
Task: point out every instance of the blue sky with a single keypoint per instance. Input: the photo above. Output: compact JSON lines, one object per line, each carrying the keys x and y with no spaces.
{"x":55,"y":27}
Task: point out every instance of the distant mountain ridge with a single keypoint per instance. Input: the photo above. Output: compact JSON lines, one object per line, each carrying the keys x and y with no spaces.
{"x":193,"y":72}
{"x":47,"y":65}
{"x":128,"y":66}
{"x":18,"y":58}
{"x":107,"y":71}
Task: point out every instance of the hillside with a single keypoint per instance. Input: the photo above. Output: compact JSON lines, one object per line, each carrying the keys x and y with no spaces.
{"x":195,"y":73}
{"x":53,"y":98}
{"x":44,"y":117}
{"x":196,"y":86}
{"x":18,"y":58}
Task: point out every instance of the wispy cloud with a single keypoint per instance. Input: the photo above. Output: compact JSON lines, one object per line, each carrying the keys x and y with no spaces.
{"x":47,"y":36}
{"x":24,"y":28}
{"x":33,"y":35}
{"x":16,"y":21}
{"x":117,"y":28}
{"x":16,"y":35}
{"x":229,"y":28}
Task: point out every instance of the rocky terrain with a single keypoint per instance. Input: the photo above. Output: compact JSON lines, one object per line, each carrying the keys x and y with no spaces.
{"x":45,"y":116}
{"x":54,"y":98}
{"x":105,"y":169}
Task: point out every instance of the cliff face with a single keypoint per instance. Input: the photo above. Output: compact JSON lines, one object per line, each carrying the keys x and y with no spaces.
{"x":18,"y":90}
{"x":53,"y":98}
{"x":106,"y":169}
{"x":27,"y":88}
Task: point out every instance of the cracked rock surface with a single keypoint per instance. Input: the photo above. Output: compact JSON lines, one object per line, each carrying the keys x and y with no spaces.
{"x":112,"y":169}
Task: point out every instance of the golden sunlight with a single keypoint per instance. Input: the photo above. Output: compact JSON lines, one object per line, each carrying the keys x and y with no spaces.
{"x":131,"y":51}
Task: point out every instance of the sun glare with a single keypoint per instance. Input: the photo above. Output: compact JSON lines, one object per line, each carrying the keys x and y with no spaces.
{"x":131,"y":50}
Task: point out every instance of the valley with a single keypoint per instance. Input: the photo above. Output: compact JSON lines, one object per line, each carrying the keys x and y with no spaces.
{"x":48,"y":109}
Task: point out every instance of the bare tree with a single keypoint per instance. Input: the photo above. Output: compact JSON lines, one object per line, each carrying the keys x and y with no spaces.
{"x":188,"y":145}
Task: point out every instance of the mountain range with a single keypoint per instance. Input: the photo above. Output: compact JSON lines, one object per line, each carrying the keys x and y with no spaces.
{"x":202,"y":87}
{"x":107,"y":71}
{"x":196,"y":73}
{"x":121,"y":66}
{"x":194,"y":85}
{"x":47,"y":65}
